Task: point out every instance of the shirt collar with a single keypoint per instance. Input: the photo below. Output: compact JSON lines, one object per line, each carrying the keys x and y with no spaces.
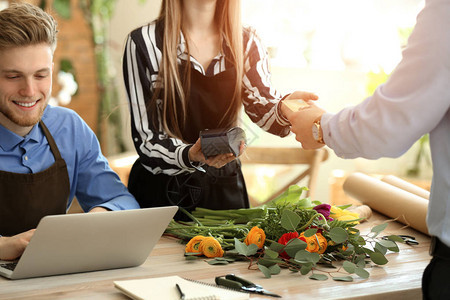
{"x":182,"y":49}
{"x":10,"y":140}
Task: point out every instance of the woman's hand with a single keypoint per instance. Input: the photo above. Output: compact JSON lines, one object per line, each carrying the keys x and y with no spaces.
{"x":218,"y":161}
{"x":13,"y":247}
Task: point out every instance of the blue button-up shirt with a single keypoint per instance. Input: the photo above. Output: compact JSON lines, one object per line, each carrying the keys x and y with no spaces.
{"x":91,"y":179}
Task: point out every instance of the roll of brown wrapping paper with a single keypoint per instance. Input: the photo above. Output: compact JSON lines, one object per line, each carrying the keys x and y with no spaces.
{"x":407,"y":186}
{"x":389,"y":200}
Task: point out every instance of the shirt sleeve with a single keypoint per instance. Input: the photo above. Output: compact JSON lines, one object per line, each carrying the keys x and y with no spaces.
{"x":95,"y":183}
{"x":410,"y":104}
{"x":261,"y":100}
{"x":158,"y":152}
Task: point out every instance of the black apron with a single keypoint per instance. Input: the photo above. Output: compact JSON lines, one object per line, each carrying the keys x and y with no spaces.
{"x":222,"y":188}
{"x":26,"y":198}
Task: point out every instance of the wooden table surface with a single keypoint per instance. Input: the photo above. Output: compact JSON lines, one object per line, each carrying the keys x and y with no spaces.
{"x":400,"y":278}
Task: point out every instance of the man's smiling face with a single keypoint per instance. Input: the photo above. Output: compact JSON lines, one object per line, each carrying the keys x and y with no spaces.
{"x":25,"y":85}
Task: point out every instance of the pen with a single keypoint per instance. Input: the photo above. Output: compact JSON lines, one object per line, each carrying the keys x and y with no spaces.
{"x":180,"y":291}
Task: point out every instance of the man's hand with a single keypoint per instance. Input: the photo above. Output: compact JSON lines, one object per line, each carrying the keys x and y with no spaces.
{"x":13,"y":247}
{"x":302,"y":122}
{"x":98,"y":209}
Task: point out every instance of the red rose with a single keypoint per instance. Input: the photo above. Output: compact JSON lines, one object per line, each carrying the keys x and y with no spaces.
{"x":284,"y":239}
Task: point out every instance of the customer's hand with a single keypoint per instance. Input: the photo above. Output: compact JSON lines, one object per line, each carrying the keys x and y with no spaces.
{"x":302,"y":123}
{"x":13,"y":247}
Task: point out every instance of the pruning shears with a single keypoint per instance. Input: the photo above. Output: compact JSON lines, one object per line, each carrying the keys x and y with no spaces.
{"x":408,"y":239}
{"x":237,"y":283}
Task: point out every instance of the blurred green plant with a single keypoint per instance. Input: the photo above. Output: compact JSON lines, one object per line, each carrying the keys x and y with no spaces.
{"x":98,"y":13}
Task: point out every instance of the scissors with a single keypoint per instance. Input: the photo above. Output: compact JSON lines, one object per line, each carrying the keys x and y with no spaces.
{"x":408,"y":239}
{"x":237,"y":283}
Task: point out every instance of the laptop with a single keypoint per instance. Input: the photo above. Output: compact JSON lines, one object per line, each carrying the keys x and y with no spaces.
{"x":86,"y":242}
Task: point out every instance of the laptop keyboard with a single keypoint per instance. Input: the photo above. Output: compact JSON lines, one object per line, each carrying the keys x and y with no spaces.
{"x":9,"y":266}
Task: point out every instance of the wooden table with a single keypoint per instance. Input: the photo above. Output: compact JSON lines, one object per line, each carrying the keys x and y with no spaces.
{"x":399,"y":279}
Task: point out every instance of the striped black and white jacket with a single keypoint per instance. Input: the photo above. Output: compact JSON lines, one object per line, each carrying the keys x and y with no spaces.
{"x":158,"y":152}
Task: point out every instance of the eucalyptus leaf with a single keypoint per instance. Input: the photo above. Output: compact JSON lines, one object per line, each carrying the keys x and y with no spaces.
{"x":293,"y":246}
{"x":265,"y":270}
{"x":310,"y":232}
{"x":379,"y":228}
{"x":305,"y":256}
{"x":289,"y":220}
{"x":276,"y":247}
{"x":269,"y":262}
{"x":343,"y":278}
{"x":395,"y":238}
{"x":275,"y":270}
{"x":378,"y":258}
{"x":338,"y":235}
{"x":190,"y":257}
{"x":387,"y":243}
{"x":270,"y":253}
{"x":349,"y":267}
{"x":218,"y":262}
{"x":245,"y":250}
{"x":320,"y":277}
{"x":380,"y":248}
{"x":305,"y":269}
{"x":361,"y":272}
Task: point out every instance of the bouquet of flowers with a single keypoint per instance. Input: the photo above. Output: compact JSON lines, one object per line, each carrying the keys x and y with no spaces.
{"x":297,"y":234}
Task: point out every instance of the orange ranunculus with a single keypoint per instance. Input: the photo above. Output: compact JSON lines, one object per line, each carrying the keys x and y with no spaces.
{"x":316,"y":243}
{"x":322,"y":242}
{"x":256,"y":236}
{"x":193,"y":245}
{"x":210,"y":247}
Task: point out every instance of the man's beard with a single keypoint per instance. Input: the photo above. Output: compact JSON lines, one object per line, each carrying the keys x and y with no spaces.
{"x":23,"y":121}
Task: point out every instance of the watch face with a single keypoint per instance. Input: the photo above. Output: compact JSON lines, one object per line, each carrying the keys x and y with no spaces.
{"x":315,"y":131}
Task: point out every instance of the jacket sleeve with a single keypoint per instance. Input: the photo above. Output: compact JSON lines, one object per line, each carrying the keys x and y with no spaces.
{"x":158,"y":152}
{"x":261,"y":100}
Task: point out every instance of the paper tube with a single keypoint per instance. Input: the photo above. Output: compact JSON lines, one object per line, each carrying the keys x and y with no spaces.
{"x":389,"y":200}
{"x":407,"y":186}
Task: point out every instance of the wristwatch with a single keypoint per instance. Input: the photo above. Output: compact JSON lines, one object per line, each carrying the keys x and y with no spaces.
{"x":317,"y":131}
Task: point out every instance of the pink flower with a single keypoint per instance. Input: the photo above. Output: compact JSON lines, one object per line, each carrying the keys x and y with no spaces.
{"x":323,"y":209}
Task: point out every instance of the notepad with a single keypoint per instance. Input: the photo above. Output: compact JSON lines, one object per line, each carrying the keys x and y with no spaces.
{"x":165,"y":288}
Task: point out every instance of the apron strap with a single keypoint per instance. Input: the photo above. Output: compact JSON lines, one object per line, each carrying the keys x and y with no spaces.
{"x":51,"y":141}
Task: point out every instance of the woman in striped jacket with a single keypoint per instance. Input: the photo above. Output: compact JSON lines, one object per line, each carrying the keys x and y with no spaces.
{"x":189,"y":70}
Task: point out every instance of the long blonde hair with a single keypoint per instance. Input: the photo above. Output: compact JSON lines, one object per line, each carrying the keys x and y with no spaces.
{"x":228,"y":17}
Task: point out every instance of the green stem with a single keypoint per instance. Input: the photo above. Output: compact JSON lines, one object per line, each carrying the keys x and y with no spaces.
{"x":312,"y":219}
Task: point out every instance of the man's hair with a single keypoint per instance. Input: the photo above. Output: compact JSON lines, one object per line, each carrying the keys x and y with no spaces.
{"x":24,"y":24}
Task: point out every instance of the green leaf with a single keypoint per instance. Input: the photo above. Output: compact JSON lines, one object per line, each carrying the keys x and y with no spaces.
{"x":62,"y":7}
{"x":305,"y":256}
{"x":395,"y":238}
{"x":349,"y":267}
{"x":387,"y":243}
{"x":320,"y":277}
{"x":379,"y":228}
{"x":378,"y":258}
{"x":310,"y":232}
{"x":245,"y":250}
{"x":380,"y":248}
{"x":343,"y":278}
{"x":265,"y":270}
{"x":291,"y":195}
{"x":293,"y":246}
{"x":305,"y":269}
{"x":276,"y":247}
{"x":218,"y":262}
{"x":270,"y":253}
{"x":269,"y":262}
{"x":338,"y":235}
{"x":361,"y":272}
{"x":190,"y":257}
{"x":275,"y":270}
{"x":289,"y":220}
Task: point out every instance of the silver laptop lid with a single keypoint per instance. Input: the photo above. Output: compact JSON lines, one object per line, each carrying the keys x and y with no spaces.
{"x":85,"y":242}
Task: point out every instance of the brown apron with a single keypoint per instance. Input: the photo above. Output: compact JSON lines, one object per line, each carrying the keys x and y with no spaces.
{"x":222,"y":188}
{"x":26,"y":198}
